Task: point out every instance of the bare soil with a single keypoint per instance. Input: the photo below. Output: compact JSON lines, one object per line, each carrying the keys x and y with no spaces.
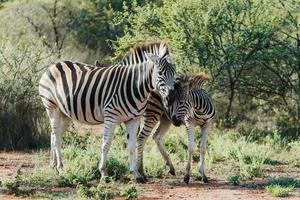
{"x":167,"y":188}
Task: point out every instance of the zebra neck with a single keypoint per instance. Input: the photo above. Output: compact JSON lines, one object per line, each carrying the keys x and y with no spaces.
{"x":140,"y":81}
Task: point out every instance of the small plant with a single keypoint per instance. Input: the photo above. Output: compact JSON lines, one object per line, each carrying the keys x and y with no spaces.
{"x":234,"y":180}
{"x":100,"y":192}
{"x":14,"y":186}
{"x":248,"y":159}
{"x":116,"y":169}
{"x":130,"y":192}
{"x":279,"y":191}
{"x":284,"y":182}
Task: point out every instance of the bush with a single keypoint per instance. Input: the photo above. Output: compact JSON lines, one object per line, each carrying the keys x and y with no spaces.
{"x":250,"y":161}
{"x":23,"y":121}
{"x":284,"y":182}
{"x":81,"y":160}
{"x":288,"y":130}
{"x":130,"y":192}
{"x":117,"y":169}
{"x":279,"y":191}
{"x":234,"y":180}
{"x":100,"y":192}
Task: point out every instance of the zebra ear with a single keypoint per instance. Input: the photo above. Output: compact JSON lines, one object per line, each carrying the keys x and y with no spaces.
{"x":153,"y":58}
{"x":97,"y":63}
{"x":169,"y":59}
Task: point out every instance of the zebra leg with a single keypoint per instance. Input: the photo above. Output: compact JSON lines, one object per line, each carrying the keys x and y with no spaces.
{"x":191,"y":146}
{"x":204,"y":136}
{"x":148,"y":126}
{"x":132,"y":127}
{"x":109,"y":129}
{"x":164,"y":125}
{"x":59,"y":124}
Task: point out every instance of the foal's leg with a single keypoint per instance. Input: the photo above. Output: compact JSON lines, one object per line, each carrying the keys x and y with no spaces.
{"x":164,"y":125}
{"x":59,"y":124}
{"x":204,"y":136}
{"x":132,"y":130}
{"x":191,"y":146}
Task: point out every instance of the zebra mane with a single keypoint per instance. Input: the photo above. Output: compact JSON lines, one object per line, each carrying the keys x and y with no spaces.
{"x":197,"y":80}
{"x":137,"y":52}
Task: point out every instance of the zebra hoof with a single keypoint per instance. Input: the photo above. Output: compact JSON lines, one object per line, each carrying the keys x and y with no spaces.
{"x":144,"y":177}
{"x":205,"y":179}
{"x":172,"y":171}
{"x":186,"y":179}
{"x":140,"y":180}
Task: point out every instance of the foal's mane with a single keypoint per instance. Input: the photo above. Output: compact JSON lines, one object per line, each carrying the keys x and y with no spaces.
{"x":195,"y":81}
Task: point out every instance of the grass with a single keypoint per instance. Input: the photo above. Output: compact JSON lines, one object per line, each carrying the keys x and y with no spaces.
{"x":279,"y":191}
{"x":227,"y":153}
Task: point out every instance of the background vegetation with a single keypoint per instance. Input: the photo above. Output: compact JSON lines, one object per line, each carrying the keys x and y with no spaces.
{"x":251,"y":49}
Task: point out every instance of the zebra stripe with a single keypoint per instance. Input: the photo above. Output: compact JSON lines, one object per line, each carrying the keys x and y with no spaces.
{"x":109,"y":95}
{"x":192,"y":106}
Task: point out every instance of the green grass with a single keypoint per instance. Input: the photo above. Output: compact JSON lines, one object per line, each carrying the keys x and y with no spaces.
{"x":279,"y":191}
{"x":227,"y":153}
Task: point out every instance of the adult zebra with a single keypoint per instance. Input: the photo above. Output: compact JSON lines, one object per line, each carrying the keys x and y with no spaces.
{"x":192,"y":106}
{"x":109,"y":95}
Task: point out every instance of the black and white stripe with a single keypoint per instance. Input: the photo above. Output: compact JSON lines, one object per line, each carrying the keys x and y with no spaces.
{"x":193,"y":107}
{"x":110,"y":95}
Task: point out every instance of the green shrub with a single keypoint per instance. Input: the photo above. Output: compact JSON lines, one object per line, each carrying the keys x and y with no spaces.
{"x":81,"y":160}
{"x":234,"y":180}
{"x":249,"y":160}
{"x":288,"y":129}
{"x":16,"y":186}
{"x":130,"y":192}
{"x":23,"y":120}
{"x":284,"y":181}
{"x":100,"y":192}
{"x":279,"y":191}
{"x":117,"y":169}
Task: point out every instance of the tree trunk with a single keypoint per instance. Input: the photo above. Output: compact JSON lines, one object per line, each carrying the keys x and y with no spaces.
{"x":230,"y":101}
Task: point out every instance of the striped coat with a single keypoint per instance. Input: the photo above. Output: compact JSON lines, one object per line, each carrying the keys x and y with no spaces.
{"x":192,"y":107}
{"x":111,"y":95}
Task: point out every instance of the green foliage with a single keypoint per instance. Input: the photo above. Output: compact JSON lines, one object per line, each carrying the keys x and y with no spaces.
{"x":16,"y":185}
{"x":22,"y":118}
{"x":100,"y":192}
{"x":116,"y":169}
{"x":284,"y":182}
{"x":279,"y":191}
{"x":234,"y":180}
{"x":130,"y":192}
{"x":250,"y":161}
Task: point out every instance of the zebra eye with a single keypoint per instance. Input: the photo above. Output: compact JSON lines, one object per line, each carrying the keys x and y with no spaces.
{"x":160,"y":73}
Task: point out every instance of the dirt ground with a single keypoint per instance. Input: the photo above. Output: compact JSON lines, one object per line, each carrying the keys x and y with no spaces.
{"x":167,"y":188}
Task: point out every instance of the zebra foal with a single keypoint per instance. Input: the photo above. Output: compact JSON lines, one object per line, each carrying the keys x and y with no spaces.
{"x":109,"y":95}
{"x":192,"y":106}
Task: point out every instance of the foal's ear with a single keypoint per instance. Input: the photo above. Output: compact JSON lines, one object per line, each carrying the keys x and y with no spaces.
{"x":97,"y":63}
{"x":169,"y":59}
{"x":153,"y":58}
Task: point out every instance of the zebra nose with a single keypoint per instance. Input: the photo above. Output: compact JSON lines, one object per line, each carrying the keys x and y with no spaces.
{"x":176,"y":121}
